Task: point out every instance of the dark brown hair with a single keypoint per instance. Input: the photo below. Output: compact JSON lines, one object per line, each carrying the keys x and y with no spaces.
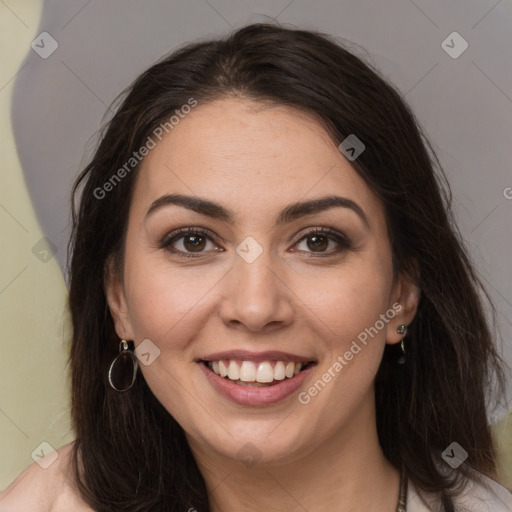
{"x":130,"y":454}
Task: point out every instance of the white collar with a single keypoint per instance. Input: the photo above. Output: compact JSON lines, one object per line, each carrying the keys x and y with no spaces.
{"x":480,"y":494}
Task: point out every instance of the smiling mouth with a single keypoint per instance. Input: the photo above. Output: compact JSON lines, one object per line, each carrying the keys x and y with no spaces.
{"x":257,"y":374}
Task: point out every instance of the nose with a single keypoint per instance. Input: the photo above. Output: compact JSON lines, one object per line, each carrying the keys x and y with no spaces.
{"x":257,"y":297}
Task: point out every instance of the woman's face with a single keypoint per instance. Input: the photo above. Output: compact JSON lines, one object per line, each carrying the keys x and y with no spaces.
{"x":275,"y":277}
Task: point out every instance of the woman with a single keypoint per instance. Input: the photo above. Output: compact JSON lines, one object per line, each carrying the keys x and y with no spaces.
{"x":271,"y":307}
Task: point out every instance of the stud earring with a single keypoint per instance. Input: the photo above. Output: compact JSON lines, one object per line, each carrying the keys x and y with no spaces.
{"x":123,"y":369}
{"x":402,"y":329}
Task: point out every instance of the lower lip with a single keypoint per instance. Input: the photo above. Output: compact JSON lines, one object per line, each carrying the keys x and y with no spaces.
{"x":246,"y":395}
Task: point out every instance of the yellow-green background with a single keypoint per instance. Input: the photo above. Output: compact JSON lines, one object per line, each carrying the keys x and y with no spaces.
{"x":34,"y":399}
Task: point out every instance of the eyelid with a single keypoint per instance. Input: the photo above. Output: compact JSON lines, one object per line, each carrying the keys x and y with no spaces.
{"x":323,"y":230}
{"x":166,"y":240}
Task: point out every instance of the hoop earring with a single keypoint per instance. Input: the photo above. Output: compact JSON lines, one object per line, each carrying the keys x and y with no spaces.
{"x":402,"y":329}
{"x":123,"y":369}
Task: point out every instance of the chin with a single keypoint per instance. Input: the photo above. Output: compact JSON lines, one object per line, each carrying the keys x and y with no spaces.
{"x":259,"y":442}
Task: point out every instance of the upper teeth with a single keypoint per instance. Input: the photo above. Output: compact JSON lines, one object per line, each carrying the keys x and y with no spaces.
{"x":249,"y":371}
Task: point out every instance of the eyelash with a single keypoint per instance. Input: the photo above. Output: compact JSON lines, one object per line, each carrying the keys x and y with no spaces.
{"x":332,"y":234}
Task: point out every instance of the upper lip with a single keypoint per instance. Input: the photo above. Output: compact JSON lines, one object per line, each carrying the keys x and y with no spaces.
{"x":246,"y":355}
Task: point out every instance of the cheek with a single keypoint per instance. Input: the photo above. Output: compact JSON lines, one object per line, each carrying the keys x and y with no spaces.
{"x":348,"y":300}
{"x":167,"y":306}
{"x":160,"y":296}
{"x":352,"y":334}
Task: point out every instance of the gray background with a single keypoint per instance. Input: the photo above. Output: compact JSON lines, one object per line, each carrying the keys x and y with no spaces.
{"x":464,"y":104}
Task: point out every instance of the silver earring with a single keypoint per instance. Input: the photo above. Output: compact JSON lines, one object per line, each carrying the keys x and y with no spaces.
{"x":402,"y":329}
{"x":123,"y":369}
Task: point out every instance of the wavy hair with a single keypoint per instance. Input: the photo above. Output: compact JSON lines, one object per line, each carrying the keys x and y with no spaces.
{"x":130,"y":454}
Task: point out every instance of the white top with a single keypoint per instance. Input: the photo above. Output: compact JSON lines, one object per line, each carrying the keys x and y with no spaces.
{"x":481,"y":494}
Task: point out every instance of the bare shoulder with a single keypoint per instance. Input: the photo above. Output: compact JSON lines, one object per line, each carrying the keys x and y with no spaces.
{"x":46,"y":487}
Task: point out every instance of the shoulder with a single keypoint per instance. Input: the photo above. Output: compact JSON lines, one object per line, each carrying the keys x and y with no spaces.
{"x":39,"y":489}
{"x":486,"y":494}
{"x":479,"y":494}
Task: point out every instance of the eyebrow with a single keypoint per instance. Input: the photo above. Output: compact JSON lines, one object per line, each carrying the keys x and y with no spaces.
{"x":287,"y":214}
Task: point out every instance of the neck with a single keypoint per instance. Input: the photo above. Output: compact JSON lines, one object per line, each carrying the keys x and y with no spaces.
{"x":347,"y":472}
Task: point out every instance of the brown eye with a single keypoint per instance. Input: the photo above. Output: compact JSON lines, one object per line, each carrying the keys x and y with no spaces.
{"x":188,"y":242}
{"x":317,"y":242}
{"x":194,"y":243}
{"x":324,"y":242}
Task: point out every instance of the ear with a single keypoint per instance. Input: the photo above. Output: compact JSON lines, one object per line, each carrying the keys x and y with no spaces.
{"x":114,"y":291}
{"x":405,"y":299}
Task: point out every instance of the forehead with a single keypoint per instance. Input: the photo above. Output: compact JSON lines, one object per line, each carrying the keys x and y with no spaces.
{"x":250,"y":156}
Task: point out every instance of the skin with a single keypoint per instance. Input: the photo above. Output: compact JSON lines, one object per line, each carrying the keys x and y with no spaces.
{"x":255,"y":160}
